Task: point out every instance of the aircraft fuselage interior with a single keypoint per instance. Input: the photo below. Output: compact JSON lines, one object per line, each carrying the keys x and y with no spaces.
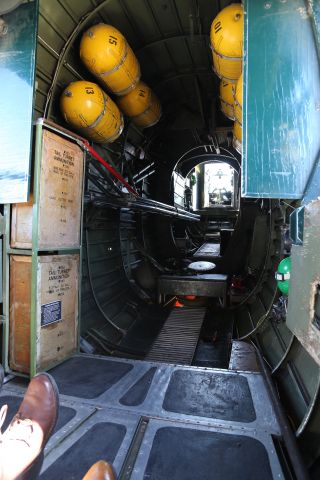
{"x":160,"y":205}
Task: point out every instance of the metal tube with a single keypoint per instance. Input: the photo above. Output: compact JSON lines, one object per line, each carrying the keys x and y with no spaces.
{"x":145,"y":176}
{"x":162,"y":210}
{"x":107,"y":178}
{"x":143,"y":170}
{"x":168,"y":207}
{"x":143,"y":204}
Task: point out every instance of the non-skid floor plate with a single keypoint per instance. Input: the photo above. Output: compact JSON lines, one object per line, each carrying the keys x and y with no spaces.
{"x":181,"y":453}
{"x":101,"y":442}
{"x":65,"y":413}
{"x":138,"y":392}
{"x":178,"y":337}
{"x":197,"y":421}
{"x":213,"y":396}
{"x":88,"y":377}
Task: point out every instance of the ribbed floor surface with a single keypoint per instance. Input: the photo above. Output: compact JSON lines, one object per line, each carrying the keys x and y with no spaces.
{"x":178,"y":338}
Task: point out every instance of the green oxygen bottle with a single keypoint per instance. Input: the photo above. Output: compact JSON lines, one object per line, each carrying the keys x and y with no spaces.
{"x":283,"y":275}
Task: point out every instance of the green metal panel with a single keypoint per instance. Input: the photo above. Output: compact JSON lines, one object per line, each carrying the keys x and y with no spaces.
{"x":17,"y":72}
{"x":304,"y":283}
{"x":281,"y":107}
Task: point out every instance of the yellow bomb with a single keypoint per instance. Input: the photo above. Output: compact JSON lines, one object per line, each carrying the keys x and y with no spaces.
{"x":88,"y":109}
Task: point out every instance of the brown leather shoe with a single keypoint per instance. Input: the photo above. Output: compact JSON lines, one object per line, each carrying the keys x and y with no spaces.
{"x":22,"y":444}
{"x":100,"y":471}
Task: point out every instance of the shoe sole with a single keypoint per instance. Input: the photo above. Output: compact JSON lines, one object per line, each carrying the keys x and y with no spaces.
{"x":56,"y":394}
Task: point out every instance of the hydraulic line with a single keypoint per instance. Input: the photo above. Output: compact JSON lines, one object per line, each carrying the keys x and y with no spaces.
{"x":261,"y":320}
{"x":109,"y":180}
{"x":112,"y":170}
{"x":139,"y":203}
{"x":96,"y":182}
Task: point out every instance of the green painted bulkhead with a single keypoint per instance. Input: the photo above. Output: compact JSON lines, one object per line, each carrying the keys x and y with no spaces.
{"x":124,"y":251}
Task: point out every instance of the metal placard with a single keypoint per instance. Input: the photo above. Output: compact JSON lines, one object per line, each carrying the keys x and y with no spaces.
{"x":18,"y":38}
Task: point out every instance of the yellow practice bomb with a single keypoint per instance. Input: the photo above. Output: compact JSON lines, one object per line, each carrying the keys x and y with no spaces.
{"x":107,"y":54}
{"x":141,"y":105}
{"x":226,"y":37}
{"x":88,"y":109}
{"x":227,"y":98}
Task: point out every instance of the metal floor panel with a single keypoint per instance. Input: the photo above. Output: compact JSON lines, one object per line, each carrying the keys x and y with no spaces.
{"x":184,"y":465}
{"x":147,"y":391}
{"x":152,"y":404}
{"x":127,"y":422}
{"x":178,"y":338}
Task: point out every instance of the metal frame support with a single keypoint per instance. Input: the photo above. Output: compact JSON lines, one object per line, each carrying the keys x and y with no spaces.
{"x":34,"y":253}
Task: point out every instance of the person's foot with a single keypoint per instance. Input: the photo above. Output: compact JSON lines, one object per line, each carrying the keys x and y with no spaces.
{"x":100,"y":471}
{"x":22,"y":444}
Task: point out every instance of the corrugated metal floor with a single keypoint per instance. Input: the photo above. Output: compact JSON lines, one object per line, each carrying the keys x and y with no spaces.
{"x":158,"y":421}
{"x":178,"y":338}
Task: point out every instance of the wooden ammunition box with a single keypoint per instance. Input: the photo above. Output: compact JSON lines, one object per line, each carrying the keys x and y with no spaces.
{"x":56,"y":311}
{"x":60,"y":198}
